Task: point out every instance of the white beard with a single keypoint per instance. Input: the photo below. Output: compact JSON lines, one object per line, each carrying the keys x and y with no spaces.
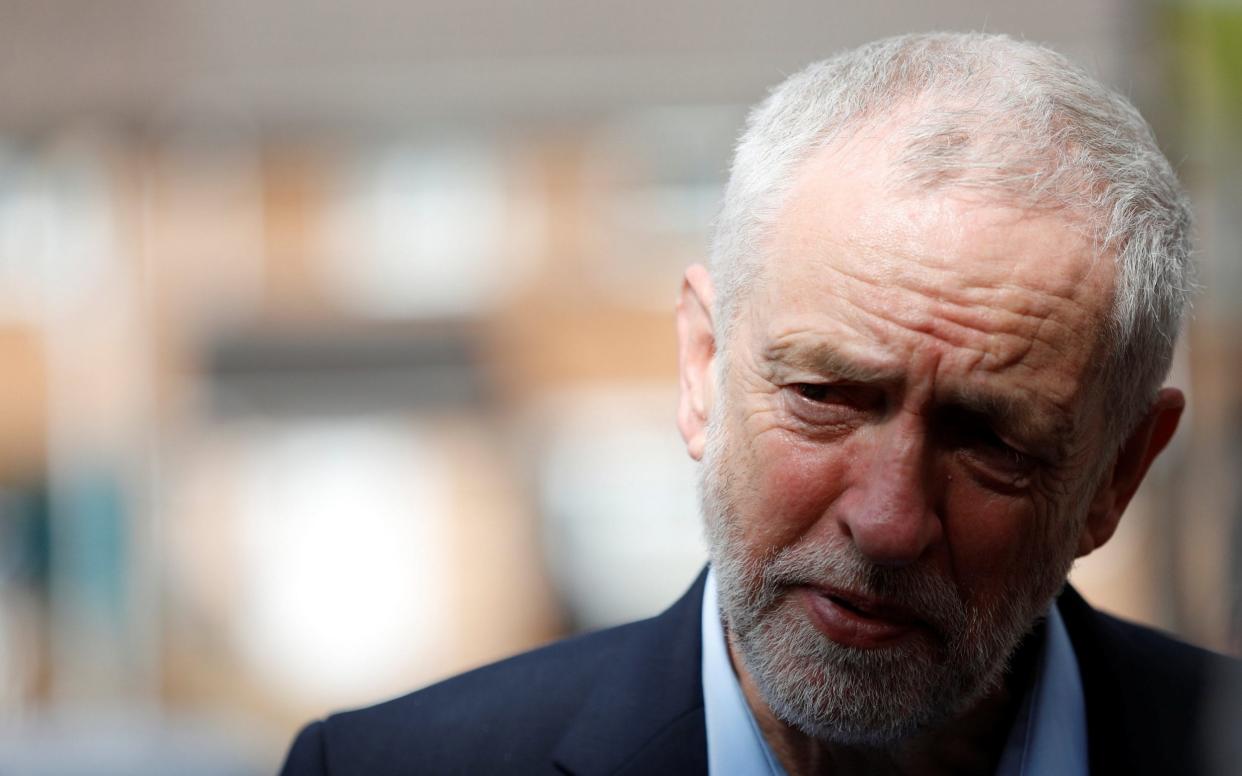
{"x":864,"y":697}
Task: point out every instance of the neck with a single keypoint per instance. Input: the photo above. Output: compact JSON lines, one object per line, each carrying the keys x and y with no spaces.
{"x":971,"y":743}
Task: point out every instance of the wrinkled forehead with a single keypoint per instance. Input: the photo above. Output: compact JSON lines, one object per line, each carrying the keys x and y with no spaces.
{"x":1004,"y":298}
{"x":854,"y":209}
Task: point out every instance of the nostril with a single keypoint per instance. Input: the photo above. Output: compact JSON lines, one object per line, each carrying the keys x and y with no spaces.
{"x":890,"y":536}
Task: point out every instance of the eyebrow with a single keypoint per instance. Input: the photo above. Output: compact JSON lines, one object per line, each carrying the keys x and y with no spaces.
{"x":824,"y":359}
{"x":1039,"y":426}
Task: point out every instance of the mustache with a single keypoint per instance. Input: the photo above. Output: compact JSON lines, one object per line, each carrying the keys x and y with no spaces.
{"x":929,"y":596}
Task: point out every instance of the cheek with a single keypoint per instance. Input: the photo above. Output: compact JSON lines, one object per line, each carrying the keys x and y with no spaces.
{"x":793,"y":486}
{"x":990,"y":538}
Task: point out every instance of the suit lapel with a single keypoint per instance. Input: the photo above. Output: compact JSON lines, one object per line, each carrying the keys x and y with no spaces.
{"x":645,"y":714}
{"x":1143,"y":697}
{"x":1100,"y":686}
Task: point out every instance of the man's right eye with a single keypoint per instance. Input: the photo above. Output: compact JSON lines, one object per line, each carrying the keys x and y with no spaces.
{"x":817,"y":392}
{"x":828,"y":401}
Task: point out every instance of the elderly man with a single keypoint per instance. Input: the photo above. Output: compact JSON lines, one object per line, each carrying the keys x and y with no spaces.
{"x":923,"y":375}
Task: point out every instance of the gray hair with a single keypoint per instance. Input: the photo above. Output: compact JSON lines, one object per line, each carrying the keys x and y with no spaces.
{"x":1000,"y":115}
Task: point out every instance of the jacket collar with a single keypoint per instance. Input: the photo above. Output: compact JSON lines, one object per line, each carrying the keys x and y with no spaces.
{"x":1143,"y":696}
{"x":645,"y":714}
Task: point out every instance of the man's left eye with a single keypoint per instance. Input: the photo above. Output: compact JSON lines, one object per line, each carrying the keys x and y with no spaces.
{"x":1004,"y":454}
{"x":983,"y":445}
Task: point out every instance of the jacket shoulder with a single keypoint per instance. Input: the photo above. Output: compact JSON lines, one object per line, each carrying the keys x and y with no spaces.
{"x":1155,"y":704}
{"x":507,"y":715}
{"x":626,"y":699}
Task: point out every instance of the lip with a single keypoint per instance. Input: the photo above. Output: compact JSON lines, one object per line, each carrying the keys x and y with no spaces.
{"x":857,"y":621}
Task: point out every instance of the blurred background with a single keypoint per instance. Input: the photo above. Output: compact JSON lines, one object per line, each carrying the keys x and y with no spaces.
{"x":336,"y":350}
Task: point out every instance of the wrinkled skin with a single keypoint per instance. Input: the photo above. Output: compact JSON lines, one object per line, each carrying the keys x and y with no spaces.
{"x":907,"y":411}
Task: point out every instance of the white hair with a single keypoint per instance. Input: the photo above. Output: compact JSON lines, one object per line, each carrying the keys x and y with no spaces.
{"x":1000,"y":115}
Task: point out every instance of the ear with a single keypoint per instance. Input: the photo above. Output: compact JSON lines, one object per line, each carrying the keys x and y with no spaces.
{"x":696,"y":338}
{"x":1133,"y":461}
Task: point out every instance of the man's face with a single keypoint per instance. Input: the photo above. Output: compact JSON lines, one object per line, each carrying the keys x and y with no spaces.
{"x":902,"y":446}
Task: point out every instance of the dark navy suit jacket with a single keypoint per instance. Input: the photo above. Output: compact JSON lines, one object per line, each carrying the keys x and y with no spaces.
{"x":629,"y":700}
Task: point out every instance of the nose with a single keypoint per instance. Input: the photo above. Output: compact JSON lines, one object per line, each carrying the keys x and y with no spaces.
{"x":889,"y":510}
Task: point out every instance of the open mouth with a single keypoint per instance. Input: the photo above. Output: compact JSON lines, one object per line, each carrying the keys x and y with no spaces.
{"x":863,"y":624}
{"x":870,"y":609}
{"x":847,"y":605}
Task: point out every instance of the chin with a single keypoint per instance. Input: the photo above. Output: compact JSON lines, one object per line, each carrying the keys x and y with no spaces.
{"x":876,"y":697}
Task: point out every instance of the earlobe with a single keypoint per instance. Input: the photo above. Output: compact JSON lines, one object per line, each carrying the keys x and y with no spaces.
{"x":1134,"y":459}
{"x":696,"y":338}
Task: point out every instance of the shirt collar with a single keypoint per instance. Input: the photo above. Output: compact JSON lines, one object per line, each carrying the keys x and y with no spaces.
{"x":1050,"y":734}
{"x":734,"y":743}
{"x":1048,"y":737}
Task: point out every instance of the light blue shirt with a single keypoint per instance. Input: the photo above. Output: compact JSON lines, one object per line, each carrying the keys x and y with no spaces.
{"x":1049,"y":735}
